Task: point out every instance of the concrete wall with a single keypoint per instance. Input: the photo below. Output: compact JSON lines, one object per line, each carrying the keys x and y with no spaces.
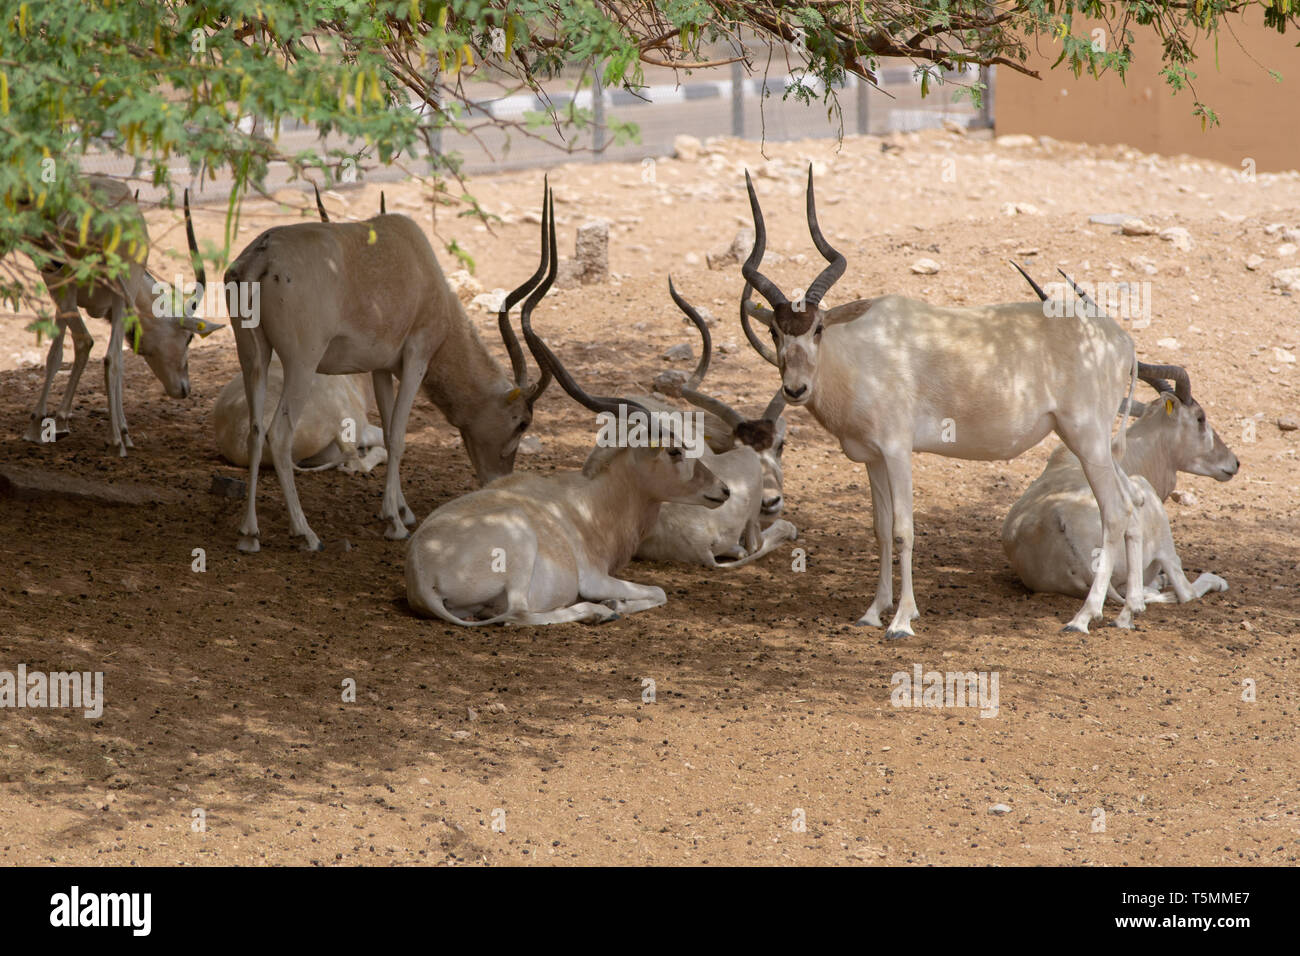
{"x":1259,"y":118}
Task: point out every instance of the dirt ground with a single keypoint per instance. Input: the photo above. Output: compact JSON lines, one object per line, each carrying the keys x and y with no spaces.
{"x":224,"y":688}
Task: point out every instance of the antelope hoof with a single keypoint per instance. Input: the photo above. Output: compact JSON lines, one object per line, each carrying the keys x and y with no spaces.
{"x":408,"y":516}
{"x":871,"y":618}
{"x":1073,"y":628}
{"x":311,"y":543}
{"x":249,"y":544}
{"x":397,"y":532}
{"x":126,"y":442}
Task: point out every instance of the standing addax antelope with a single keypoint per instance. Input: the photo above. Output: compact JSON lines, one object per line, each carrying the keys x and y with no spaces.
{"x":343,"y":298}
{"x":892,"y":376}
{"x":732,"y":535}
{"x":533,"y":549}
{"x":165,"y":332}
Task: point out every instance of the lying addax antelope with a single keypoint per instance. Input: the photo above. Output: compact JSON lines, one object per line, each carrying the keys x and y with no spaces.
{"x":533,"y":549}
{"x":891,"y":376}
{"x":1052,"y":535}
{"x":165,"y":332}
{"x":333,"y":431}
{"x":343,"y":298}
{"x":731,"y":535}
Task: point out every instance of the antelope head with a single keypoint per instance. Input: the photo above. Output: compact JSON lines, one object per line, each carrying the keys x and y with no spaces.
{"x":765,"y":434}
{"x":796,"y":326}
{"x":168,"y":327}
{"x":498,"y":423}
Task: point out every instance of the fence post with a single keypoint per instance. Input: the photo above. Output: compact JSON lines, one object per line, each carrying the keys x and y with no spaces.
{"x":597,"y":114}
{"x":986,"y":102}
{"x":863,"y":105}
{"x":738,"y":100}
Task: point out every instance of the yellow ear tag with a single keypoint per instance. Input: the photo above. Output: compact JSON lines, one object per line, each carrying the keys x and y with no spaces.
{"x":371,"y":238}
{"x":513,"y":395}
{"x":1169,"y":406}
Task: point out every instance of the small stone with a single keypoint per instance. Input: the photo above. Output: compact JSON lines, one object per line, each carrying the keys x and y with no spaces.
{"x":679,"y":353}
{"x":1286,"y":250}
{"x":1253,"y":262}
{"x":530,"y":445}
{"x":1283,"y":356}
{"x":670,"y":381}
{"x":692,"y":258}
{"x":1144,"y":265}
{"x":1273,"y":228}
{"x":1288,"y":423}
{"x":925,"y":267}
{"x":1181,"y":497}
{"x":464,"y":285}
{"x":1247,"y":626}
{"x":1288,"y":280}
{"x":686,"y":147}
{"x":1110,"y":218}
{"x":228,"y":487}
{"x":460,"y":734}
{"x":489,"y":301}
{"x":1178,"y":237}
{"x":471,"y":713}
{"x":739,"y":250}
{"x":1168,"y":343}
{"x":952,"y":126}
{"x":1014,"y":140}
{"x":1136,"y":227}
{"x":998,"y":809}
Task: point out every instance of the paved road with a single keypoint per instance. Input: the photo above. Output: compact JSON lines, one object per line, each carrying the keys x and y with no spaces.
{"x":700,"y":108}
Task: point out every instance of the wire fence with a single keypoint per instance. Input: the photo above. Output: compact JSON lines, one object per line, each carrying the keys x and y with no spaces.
{"x":741,"y":106}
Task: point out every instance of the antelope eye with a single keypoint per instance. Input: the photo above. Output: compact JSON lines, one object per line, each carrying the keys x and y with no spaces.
{"x":818,"y":333}
{"x":674,"y":453}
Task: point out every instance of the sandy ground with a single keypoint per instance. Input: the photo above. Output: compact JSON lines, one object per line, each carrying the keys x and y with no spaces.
{"x":771,"y":738}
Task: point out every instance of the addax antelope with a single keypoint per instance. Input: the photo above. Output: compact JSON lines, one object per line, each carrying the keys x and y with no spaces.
{"x":892,"y":376}
{"x":1052,"y":534}
{"x":165,"y":331}
{"x":533,"y":549}
{"x":732,"y":535}
{"x":343,"y":298}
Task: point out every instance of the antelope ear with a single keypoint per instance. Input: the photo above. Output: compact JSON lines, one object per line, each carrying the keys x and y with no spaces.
{"x":201,"y":327}
{"x":759,"y":312}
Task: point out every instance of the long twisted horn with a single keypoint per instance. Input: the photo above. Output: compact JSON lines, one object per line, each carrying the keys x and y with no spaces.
{"x":542,"y":353}
{"x":1087,"y":299}
{"x":320,"y":206}
{"x":517,"y":361}
{"x":775,"y":407}
{"x":765,"y":286}
{"x":690,"y":391}
{"x":200,"y":274}
{"x":831,"y":274}
{"x":758,"y":345}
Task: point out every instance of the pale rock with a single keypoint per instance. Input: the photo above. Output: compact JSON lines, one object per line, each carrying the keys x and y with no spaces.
{"x":1253,"y":262}
{"x":925,"y":267}
{"x":686,"y":147}
{"x":464,"y":285}
{"x":489,"y":301}
{"x":738,"y":251}
{"x":1136,"y":227}
{"x":1283,"y":356}
{"x":1014,"y":140}
{"x":679,"y":353}
{"x":1183,"y":498}
{"x":1288,"y":280}
{"x":1178,"y":237}
{"x":1286,"y":250}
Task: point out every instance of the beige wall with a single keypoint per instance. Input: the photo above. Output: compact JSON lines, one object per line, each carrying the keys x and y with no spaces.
{"x":1259,"y":118}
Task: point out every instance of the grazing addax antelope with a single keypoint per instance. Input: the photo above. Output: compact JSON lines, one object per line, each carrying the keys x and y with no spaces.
{"x":344,"y":298}
{"x":892,"y":376}
{"x":165,"y":333}
{"x":731,"y":535}
{"x":533,"y":549}
{"x":1052,"y":534}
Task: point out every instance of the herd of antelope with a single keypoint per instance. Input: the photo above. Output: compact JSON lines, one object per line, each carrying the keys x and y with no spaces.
{"x":886,"y":376}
